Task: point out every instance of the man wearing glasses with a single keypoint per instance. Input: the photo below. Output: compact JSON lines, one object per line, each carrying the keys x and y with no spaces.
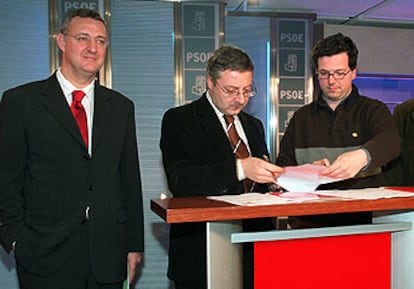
{"x":70,"y":186}
{"x":211,"y":147}
{"x":352,"y":135}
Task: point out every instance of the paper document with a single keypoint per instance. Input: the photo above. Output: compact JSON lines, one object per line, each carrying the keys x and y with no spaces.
{"x":366,"y":194}
{"x":125,"y":285}
{"x":258,"y":199}
{"x":304,"y":178}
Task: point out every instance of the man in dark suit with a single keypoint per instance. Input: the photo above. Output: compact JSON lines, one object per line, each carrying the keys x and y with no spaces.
{"x":402,"y":170}
{"x":199,"y":159}
{"x":71,"y":204}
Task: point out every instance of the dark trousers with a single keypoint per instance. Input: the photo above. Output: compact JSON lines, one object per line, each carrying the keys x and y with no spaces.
{"x":182,"y":285}
{"x":330,"y":220}
{"x":75,"y":274}
{"x":248,"y":271}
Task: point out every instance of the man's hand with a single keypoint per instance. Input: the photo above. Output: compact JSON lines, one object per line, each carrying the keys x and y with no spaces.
{"x":134,"y":258}
{"x":347,"y":165}
{"x":260,"y":171}
{"x":322,"y":162}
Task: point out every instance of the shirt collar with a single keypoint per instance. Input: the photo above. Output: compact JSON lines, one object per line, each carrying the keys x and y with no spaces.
{"x":216,"y":110}
{"x":347,"y":103}
{"x":68,"y":87}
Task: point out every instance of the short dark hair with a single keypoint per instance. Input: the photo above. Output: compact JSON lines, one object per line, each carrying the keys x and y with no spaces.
{"x":336,"y":44}
{"x":83,"y":13}
{"x":228,"y":57}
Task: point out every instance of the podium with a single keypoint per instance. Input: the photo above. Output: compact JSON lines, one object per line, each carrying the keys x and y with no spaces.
{"x":378,"y":255}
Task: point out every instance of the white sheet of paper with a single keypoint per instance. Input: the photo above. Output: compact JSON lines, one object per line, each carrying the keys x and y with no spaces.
{"x":126,"y":285}
{"x":304,"y":178}
{"x":259,"y":199}
{"x":367,"y":194}
{"x":251,"y":199}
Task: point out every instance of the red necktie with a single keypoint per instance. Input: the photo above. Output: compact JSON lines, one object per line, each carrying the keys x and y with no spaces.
{"x":239,"y":147}
{"x":79,"y":114}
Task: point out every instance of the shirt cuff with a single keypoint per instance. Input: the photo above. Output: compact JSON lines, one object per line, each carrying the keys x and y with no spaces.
{"x":240,"y":172}
{"x":369,"y":158}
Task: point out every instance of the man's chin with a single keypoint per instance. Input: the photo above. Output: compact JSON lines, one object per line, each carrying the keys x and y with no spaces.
{"x":91,"y":67}
{"x":332,"y":96}
{"x":91,"y":70}
{"x":234,"y":111}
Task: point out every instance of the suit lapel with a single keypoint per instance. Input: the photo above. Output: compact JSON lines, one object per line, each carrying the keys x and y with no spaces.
{"x":53,"y":99}
{"x":251,"y":133}
{"x":211,"y":126}
{"x":102,"y":112}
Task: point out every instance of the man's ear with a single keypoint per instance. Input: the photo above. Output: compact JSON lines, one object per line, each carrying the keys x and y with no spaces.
{"x":209,"y":82}
{"x":354,"y":73}
{"x":61,"y":41}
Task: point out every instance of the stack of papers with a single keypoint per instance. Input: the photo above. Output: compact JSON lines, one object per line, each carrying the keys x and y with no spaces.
{"x":304,"y":178}
{"x":258,"y":199}
{"x":367,"y":194}
{"x":301,"y":183}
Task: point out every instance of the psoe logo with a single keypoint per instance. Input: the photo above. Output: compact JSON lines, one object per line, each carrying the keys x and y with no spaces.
{"x":199,"y":22}
{"x":292,"y":63}
{"x":289,"y":116}
{"x":199,"y":85}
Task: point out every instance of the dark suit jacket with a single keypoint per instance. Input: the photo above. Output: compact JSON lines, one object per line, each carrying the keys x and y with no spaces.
{"x":199,"y":161}
{"x":47,"y":180}
{"x":402,"y":171}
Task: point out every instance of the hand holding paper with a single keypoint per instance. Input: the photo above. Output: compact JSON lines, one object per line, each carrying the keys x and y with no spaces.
{"x":260,"y":171}
{"x":346,"y":165}
{"x":134,"y":258}
{"x":304,"y":178}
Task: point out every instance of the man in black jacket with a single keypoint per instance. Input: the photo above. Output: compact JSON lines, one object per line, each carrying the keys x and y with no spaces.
{"x":199,"y":159}
{"x":70,"y":202}
{"x":352,"y":135}
{"x":402,"y":170}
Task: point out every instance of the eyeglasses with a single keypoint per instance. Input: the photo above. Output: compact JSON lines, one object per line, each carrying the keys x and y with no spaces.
{"x":85,"y":39}
{"x":248,"y":92}
{"x":323,"y":74}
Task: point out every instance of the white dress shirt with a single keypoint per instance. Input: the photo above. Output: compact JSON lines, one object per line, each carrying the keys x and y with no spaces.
{"x":240,"y":131}
{"x":87,"y":101}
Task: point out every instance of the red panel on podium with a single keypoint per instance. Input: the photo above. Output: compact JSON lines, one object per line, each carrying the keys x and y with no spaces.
{"x":340,"y":262}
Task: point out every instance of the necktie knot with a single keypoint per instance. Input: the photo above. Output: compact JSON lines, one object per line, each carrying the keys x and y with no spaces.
{"x":78,"y":95}
{"x":229,"y":119}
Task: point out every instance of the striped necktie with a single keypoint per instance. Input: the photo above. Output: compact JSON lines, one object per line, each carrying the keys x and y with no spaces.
{"x":239,"y":147}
